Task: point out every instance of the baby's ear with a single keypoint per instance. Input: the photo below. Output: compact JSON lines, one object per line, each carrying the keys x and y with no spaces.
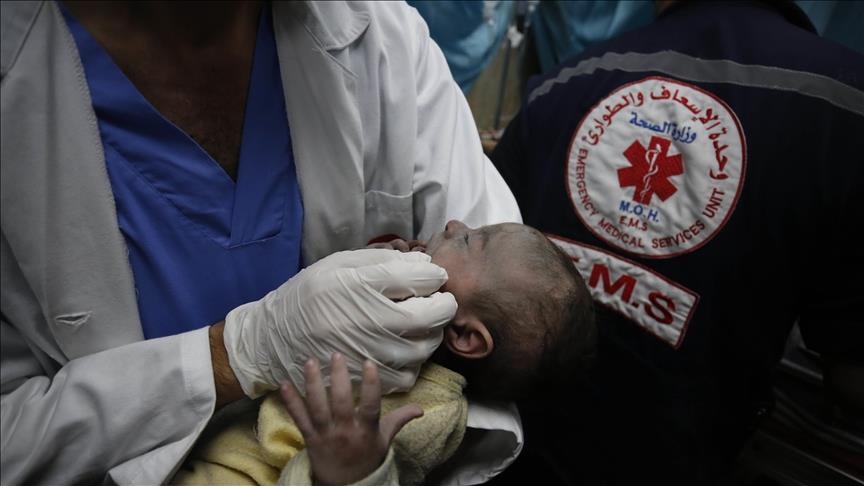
{"x":467,"y":336}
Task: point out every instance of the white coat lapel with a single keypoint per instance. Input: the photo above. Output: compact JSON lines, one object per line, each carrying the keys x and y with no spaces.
{"x":57,"y":205}
{"x":323,"y":114}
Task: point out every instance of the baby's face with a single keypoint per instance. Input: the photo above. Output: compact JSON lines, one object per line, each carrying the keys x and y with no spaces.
{"x":471,"y":257}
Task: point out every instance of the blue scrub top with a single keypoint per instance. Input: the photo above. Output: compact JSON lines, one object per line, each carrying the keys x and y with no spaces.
{"x":199,"y":243}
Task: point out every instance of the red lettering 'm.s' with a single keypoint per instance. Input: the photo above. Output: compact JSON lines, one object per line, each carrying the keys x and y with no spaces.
{"x":661,"y":307}
{"x":626,"y":281}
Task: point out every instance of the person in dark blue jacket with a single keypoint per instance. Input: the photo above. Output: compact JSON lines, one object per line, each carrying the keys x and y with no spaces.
{"x":705,"y":175}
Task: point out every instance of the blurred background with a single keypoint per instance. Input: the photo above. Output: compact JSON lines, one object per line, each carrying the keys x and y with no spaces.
{"x":494,"y":47}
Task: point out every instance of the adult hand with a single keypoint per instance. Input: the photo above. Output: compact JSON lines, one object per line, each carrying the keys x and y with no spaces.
{"x":345,"y":444}
{"x":373,"y":304}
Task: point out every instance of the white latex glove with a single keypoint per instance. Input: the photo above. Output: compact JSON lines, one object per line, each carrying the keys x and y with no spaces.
{"x":373,"y":304}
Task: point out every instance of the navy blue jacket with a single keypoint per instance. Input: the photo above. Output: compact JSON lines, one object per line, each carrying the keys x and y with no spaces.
{"x":705,"y":173}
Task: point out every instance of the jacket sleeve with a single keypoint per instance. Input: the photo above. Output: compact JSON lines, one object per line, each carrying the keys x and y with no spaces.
{"x":135,"y":410}
{"x":298,"y":473}
{"x":453,"y":178}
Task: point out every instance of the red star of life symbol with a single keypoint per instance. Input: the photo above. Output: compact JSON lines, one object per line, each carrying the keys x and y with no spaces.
{"x":650,"y":169}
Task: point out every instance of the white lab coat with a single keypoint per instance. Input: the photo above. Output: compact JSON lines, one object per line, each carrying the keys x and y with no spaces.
{"x":384,"y":143}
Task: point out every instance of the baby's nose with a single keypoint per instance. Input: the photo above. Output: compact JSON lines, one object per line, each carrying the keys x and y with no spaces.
{"x":453,"y":227}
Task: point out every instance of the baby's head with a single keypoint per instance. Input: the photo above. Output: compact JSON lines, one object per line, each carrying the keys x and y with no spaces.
{"x":525,"y":316}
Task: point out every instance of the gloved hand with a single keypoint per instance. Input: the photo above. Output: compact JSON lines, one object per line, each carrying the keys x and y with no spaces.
{"x":366,"y":304}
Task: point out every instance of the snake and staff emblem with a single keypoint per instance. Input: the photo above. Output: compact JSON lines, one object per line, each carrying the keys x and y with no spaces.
{"x":650,"y":170}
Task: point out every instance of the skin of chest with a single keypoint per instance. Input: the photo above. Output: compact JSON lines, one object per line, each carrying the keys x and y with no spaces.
{"x":207,"y":102}
{"x":191,"y":60}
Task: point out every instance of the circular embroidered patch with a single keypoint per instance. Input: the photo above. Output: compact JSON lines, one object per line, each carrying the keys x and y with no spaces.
{"x":656,"y":167}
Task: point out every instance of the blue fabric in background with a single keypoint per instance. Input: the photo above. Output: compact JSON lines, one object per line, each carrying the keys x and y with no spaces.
{"x":471,"y":31}
{"x":563,"y":29}
{"x":840,"y":21}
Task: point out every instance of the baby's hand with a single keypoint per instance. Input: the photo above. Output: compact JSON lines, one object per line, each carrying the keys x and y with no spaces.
{"x":401,"y":245}
{"x":345,"y":444}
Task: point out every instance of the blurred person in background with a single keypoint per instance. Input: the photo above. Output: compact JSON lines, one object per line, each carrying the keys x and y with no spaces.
{"x":704,"y":173}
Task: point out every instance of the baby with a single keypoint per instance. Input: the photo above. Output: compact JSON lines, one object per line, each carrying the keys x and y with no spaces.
{"x":524,"y":322}
{"x":525,"y":316}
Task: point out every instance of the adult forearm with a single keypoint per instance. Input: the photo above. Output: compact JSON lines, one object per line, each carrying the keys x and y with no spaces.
{"x":227,"y":387}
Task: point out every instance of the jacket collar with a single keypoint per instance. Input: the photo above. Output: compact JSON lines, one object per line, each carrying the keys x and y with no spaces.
{"x":334,"y":25}
{"x":323,"y":113}
{"x":16,"y":18}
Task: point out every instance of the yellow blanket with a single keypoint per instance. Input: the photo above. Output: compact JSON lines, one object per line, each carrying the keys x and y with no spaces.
{"x":255,"y":449}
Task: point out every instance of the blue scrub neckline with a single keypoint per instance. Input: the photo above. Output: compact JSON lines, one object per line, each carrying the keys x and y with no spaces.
{"x":230,"y":212}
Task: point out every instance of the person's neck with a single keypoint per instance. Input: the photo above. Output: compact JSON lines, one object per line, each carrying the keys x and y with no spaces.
{"x":178,"y":23}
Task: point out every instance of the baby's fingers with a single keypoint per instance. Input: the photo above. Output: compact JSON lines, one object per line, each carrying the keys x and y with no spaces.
{"x":316,"y":396}
{"x":393,"y":422}
{"x":297,"y":409}
{"x":369,"y":406}
{"x":341,"y":402}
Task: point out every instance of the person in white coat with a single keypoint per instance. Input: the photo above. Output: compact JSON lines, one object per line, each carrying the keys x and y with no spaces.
{"x":143,"y":167}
